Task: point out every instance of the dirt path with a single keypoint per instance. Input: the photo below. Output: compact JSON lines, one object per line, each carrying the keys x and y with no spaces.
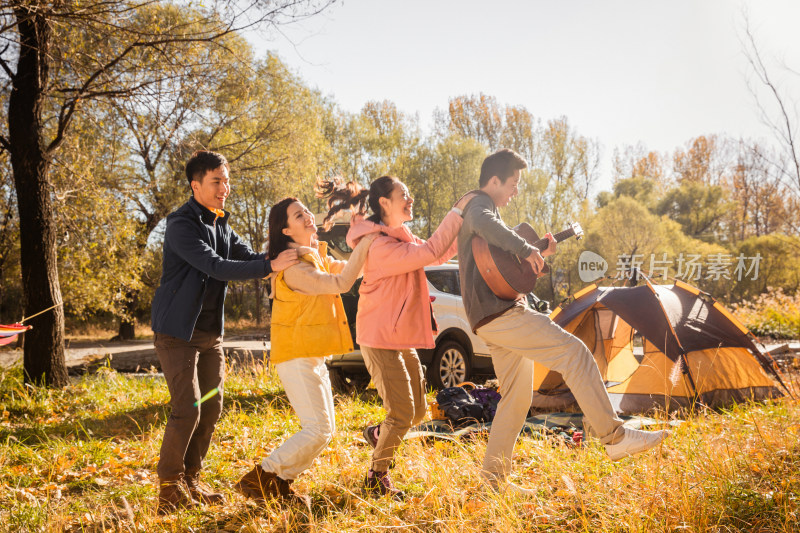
{"x":138,"y":355}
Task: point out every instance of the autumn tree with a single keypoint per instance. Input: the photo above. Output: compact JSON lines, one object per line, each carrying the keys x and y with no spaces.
{"x":638,"y":162}
{"x":378,"y":140}
{"x":637,"y":173}
{"x":698,"y":208}
{"x":767,"y":261}
{"x":439,"y":175}
{"x":276,"y":148}
{"x":626,"y":232}
{"x":761,"y":202}
{"x":705,"y":159}
{"x":524,"y":134}
{"x":699,"y":201}
{"x":99,"y":261}
{"x":58,"y":57}
{"x":570,"y":162}
{"x":151,"y":133}
{"x":478,"y":116}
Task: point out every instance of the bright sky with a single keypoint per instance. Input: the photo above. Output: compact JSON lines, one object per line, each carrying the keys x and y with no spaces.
{"x":622,"y":71}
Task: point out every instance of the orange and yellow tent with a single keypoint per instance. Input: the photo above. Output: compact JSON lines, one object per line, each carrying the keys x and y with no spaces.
{"x":661,"y":347}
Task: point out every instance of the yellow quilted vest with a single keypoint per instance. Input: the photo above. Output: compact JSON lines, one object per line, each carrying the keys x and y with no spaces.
{"x":308,"y":326}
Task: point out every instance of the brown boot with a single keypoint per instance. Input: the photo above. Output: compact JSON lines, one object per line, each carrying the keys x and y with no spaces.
{"x":289,"y":496}
{"x":259,"y":484}
{"x":262,"y":485}
{"x":171,"y":495}
{"x":200,"y":492}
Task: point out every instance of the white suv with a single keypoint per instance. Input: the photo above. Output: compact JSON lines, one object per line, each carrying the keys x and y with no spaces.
{"x":459,"y":353}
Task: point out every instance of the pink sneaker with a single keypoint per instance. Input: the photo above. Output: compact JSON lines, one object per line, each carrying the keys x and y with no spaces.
{"x":371,"y":435}
{"x":380,"y":484}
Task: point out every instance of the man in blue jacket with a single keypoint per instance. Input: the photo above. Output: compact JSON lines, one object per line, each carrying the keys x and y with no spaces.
{"x":201,"y":254}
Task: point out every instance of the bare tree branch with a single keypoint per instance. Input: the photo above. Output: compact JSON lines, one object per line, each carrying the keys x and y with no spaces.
{"x":3,"y":63}
{"x":784,"y":128}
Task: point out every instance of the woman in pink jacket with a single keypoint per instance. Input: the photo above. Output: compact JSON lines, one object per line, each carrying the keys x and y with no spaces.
{"x":394,"y":309}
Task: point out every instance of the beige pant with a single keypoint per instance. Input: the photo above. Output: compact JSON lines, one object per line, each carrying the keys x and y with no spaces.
{"x":398,"y":376}
{"x":516,"y":339}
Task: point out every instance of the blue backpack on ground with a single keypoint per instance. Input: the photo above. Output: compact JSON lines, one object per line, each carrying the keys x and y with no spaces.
{"x":460,"y":408}
{"x":488,"y":398}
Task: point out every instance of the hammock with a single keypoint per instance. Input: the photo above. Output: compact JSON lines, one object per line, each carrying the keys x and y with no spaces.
{"x":8,"y":334}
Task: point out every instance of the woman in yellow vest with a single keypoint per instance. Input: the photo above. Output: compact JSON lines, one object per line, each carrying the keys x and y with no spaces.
{"x":308,"y":324}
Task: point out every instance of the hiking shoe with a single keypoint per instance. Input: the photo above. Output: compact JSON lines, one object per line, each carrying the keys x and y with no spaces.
{"x":261,"y":486}
{"x":199,"y":492}
{"x":290,"y":497}
{"x":371,"y":435}
{"x":380,"y":484}
{"x":634,"y":441}
{"x":171,"y":496}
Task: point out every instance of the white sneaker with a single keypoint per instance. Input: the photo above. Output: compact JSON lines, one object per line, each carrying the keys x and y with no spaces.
{"x":506,"y":487}
{"x":634,"y":441}
{"x":511,"y":488}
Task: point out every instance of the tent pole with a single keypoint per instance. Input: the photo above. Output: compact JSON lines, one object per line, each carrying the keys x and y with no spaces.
{"x":682,"y":354}
{"x":688,"y":376}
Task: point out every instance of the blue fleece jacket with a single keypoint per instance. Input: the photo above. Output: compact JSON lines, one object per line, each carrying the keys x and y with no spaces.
{"x":190,"y":259}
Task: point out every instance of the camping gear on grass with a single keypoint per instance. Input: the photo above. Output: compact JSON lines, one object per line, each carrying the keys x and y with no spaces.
{"x":465,"y":404}
{"x":559,"y":428}
{"x":660,"y":347}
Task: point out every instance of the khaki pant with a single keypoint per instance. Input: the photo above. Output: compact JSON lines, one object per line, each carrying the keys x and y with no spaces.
{"x":516,"y":339}
{"x":398,"y":376}
{"x":191,"y":370}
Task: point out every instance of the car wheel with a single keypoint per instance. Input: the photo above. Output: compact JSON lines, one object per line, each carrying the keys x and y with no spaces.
{"x":343,"y":382}
{"x":450,"y":365}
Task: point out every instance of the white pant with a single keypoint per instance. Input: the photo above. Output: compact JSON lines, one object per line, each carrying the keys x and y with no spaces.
{"x":308,"y":388}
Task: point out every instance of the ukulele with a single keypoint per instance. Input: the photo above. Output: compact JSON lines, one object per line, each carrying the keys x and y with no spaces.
{"x":508,"y":276}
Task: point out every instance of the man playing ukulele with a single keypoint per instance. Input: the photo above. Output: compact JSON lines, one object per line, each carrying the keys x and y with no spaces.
{"x":517,"y":336}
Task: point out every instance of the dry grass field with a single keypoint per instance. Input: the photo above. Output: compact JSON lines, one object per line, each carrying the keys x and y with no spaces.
{"x":83,"y":459}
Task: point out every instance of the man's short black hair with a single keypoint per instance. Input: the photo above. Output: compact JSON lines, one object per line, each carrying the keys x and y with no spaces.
{"x":502,"y":164}
{"x":202,"y":162}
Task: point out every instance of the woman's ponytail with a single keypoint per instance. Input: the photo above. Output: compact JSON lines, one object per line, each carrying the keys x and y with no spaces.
{"x":351,"y":195}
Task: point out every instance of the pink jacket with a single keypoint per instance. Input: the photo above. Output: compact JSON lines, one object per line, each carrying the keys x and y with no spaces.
{"x":394,"y":309}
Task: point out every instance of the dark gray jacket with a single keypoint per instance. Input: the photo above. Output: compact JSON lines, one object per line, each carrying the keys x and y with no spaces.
{"x":190,"y":259}
{"x":481,"y":217}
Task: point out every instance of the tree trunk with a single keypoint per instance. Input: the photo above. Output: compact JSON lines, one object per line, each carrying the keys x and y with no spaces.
{"x":127,"y":322}
{"x":257,"y":287}
{"x":44,"y":347}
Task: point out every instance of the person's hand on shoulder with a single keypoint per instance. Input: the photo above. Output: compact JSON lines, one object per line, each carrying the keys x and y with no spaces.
{"x":284,"y":260}
{"x":464,"y":200}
